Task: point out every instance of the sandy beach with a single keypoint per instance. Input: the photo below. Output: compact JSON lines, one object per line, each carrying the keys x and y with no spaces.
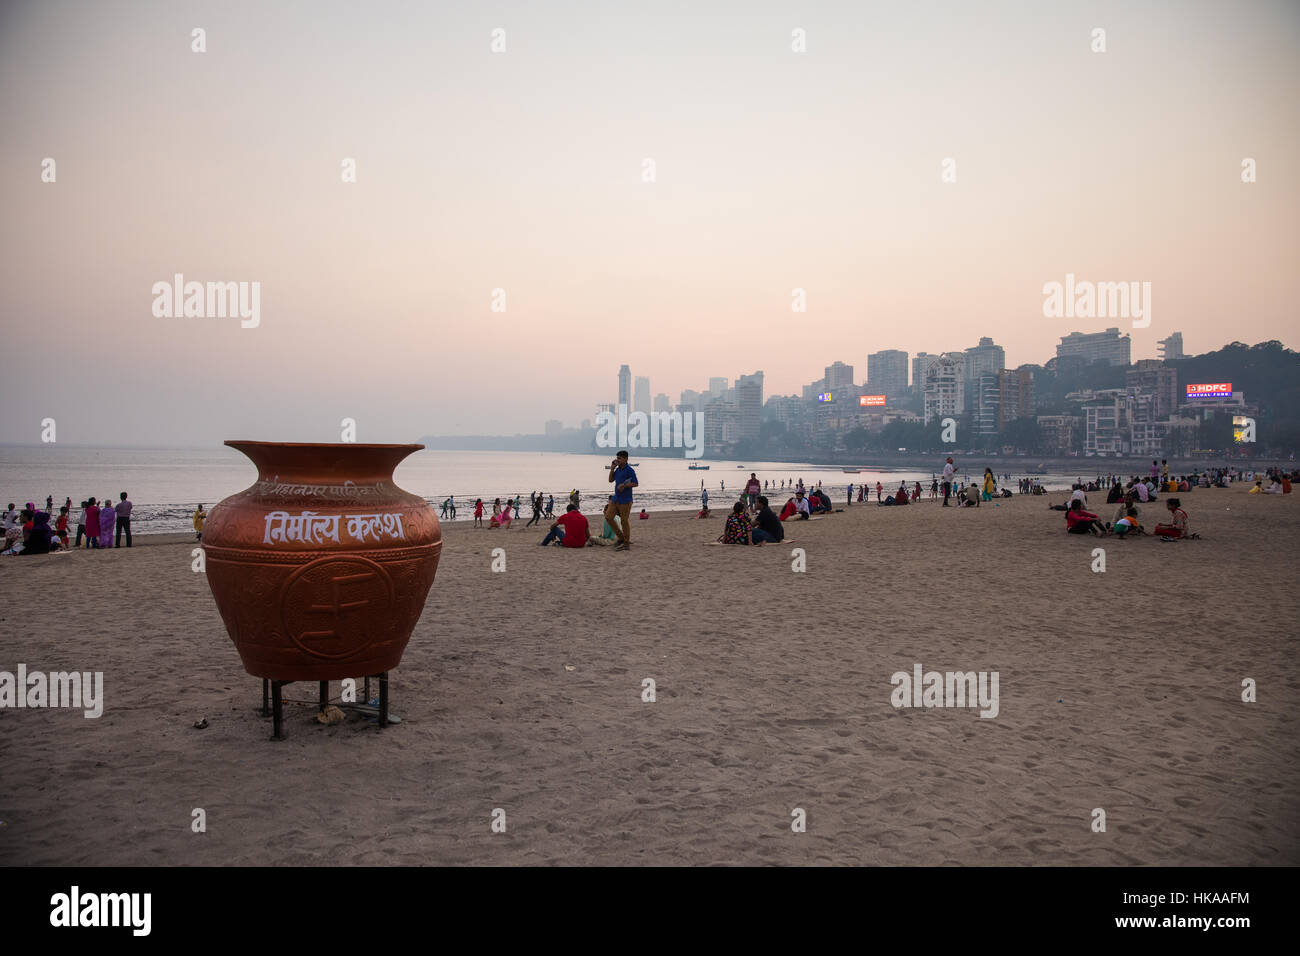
{"x":523,"y":691}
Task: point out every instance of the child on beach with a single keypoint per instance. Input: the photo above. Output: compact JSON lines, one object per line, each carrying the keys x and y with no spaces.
{"x":478,"y":513}
{"x":61,"y":527}
{"x":1128,"y":523}
{"x":197,"y":519}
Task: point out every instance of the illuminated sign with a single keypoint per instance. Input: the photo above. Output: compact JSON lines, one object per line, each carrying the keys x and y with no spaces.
{"x":866,"y":400}
{"x":1221,"y":390}
{"x":824,"y":397}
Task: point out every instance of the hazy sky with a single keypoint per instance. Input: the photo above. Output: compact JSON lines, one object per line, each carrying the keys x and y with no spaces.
{"x":522,"y":171}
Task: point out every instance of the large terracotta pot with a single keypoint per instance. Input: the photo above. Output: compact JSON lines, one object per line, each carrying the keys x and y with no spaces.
{"x":321,"y":568}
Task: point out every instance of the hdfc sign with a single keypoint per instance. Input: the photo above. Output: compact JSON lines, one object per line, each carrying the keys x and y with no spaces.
{"x":1219,"y":390}
{"x":867,"y":400}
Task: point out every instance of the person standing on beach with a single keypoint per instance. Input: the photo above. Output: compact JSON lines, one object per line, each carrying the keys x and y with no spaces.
{"x":537,"y":510}
{"x":849,"y":503}
{"x":550,"y":506}
{"x":624,"y":479}
{"x":197,"y":519}
{"x":91,"y":521}
{"x":123,"y":514}
{"x":948,"y":470}
{"x":752,"y":488}
{"x":704,"y":497}
{"x":478,"y":513}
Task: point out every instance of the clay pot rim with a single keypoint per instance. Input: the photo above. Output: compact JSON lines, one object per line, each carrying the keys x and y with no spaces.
{"x":237,"y":442}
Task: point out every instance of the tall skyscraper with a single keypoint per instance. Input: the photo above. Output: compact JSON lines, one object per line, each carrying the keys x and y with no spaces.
{"x":625,"y":386}
{"x":985,"y":402}
{"x":641,"y":395}
{"x":839,"y":375}
{"x":887,"y":372}
{"x":1110,"y":346}
{"x":984,"y":359}
{"x":718,"y":387}
{"x":749,"y":403}
{"x":662,"y":404}
{"x":690,"y":399}
{"x":1171,"y":349}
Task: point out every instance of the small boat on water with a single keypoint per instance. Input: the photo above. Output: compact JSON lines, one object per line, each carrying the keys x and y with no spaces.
{"x":696,"y":467}
{"x":850,"y":471}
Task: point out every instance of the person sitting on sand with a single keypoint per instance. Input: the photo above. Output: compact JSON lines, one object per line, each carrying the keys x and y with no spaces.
{"x":1078,"y":521}
{"x":1126,"y":506}
{"x":900,"y":496}
{"x":500,"y":516}
{"x":36,"y":533}
{"x":703,"y":512}
{"x":643,"y":516}
{"x":1128,"y":523}
{"x":1116,"y":494}
{"x":972,"y":499}
{"x":570,"y":529}
{"x":1177,"y":526}
{"x":768,"y":529}
{"x":197,"y":520}
{"x":802,"y":511}
{"x":820,"y":503}
{"x":788,"y":511}
{"x":737,"y":529}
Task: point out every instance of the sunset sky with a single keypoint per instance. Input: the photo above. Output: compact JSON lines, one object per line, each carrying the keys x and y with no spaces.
{"x":522,"y":171}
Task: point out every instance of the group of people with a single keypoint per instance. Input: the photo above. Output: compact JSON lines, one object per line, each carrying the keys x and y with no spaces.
{"x":572,"y":530}
{"x":33,"y":530}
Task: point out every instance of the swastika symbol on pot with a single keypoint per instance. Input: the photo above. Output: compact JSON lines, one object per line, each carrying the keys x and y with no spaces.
{"x":331,"y":606}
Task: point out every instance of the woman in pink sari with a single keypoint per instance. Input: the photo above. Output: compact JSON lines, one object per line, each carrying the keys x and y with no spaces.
{"x":107,"y":522}
{"x":91,"y":520}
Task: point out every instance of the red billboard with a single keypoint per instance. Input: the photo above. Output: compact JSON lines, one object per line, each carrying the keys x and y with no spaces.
{"x":1217,"y":390}
{"x":867,"y":400}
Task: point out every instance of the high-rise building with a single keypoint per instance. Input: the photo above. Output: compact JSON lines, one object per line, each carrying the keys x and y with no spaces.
{"x":690,"y":399}
{"x":887,"y":372}
{"x":624,"y":386}
{"x":1154,"y":377}
{"x":662,"y":404}
{"x":749,"y":404}
{"x":1108,"y":346}
{"x":920,"y":362}
{"x":984,"y":359}
{"x":1171,"y":349}
{"x":945,"y":386}
{"x":641,"y":395}
{"x":986,"y":402}
{"x":717,"y":387}
{"x":1016,"y":394}
{"x":838,"y":375}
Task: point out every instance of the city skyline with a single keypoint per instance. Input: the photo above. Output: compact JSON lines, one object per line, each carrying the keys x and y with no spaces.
{"x":432,"y":226}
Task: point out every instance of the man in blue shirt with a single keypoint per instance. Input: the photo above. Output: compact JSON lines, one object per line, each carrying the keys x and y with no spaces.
{"x":624,"y":479}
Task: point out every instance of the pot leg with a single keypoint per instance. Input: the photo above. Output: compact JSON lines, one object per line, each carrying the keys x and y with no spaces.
{"x":365,"y":698}
{"x":324,"y":695}
{"x":277,"y":709}
{"x":383,"y":699}
{"x":266,"y":697}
